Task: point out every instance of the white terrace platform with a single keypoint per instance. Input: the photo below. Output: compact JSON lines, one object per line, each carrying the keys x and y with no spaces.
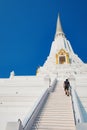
{"x":18,"y":96}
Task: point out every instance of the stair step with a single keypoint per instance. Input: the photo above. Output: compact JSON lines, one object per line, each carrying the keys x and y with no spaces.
{"x":54,"y":122}
{"x":51,"y":119}
{"x":54,"y":126}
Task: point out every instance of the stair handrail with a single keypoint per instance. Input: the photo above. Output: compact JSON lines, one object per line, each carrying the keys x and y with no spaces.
{"x":76,"y":108}
{"x":28,"y":122}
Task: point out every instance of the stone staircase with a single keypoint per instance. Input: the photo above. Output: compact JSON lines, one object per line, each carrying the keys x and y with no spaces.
{"x":57,"y":113}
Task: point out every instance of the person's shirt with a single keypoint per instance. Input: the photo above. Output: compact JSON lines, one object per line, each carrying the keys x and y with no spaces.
{"x":67,"y":84}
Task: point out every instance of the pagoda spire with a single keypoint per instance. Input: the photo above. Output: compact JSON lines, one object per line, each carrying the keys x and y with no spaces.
{"x":59,"y":29}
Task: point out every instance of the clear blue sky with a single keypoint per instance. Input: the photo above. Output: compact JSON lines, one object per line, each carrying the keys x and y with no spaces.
{"x":27,"y":29}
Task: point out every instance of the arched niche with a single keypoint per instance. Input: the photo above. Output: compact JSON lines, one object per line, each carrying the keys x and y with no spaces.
{"x":62,"y":57}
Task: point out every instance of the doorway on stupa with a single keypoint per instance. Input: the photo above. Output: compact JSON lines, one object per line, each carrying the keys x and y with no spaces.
{"x":62,"y":59}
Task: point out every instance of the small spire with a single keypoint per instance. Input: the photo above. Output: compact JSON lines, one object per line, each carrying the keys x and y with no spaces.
{"x":12,"y":74}
{"x":59,"y":29}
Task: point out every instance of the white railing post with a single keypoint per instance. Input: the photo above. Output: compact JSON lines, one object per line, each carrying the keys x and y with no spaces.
{"x":47,"y":81}
{"x":14,"y":125}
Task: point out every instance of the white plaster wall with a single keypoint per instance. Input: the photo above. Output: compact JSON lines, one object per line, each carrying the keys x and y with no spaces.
{"x":17,"y":97}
